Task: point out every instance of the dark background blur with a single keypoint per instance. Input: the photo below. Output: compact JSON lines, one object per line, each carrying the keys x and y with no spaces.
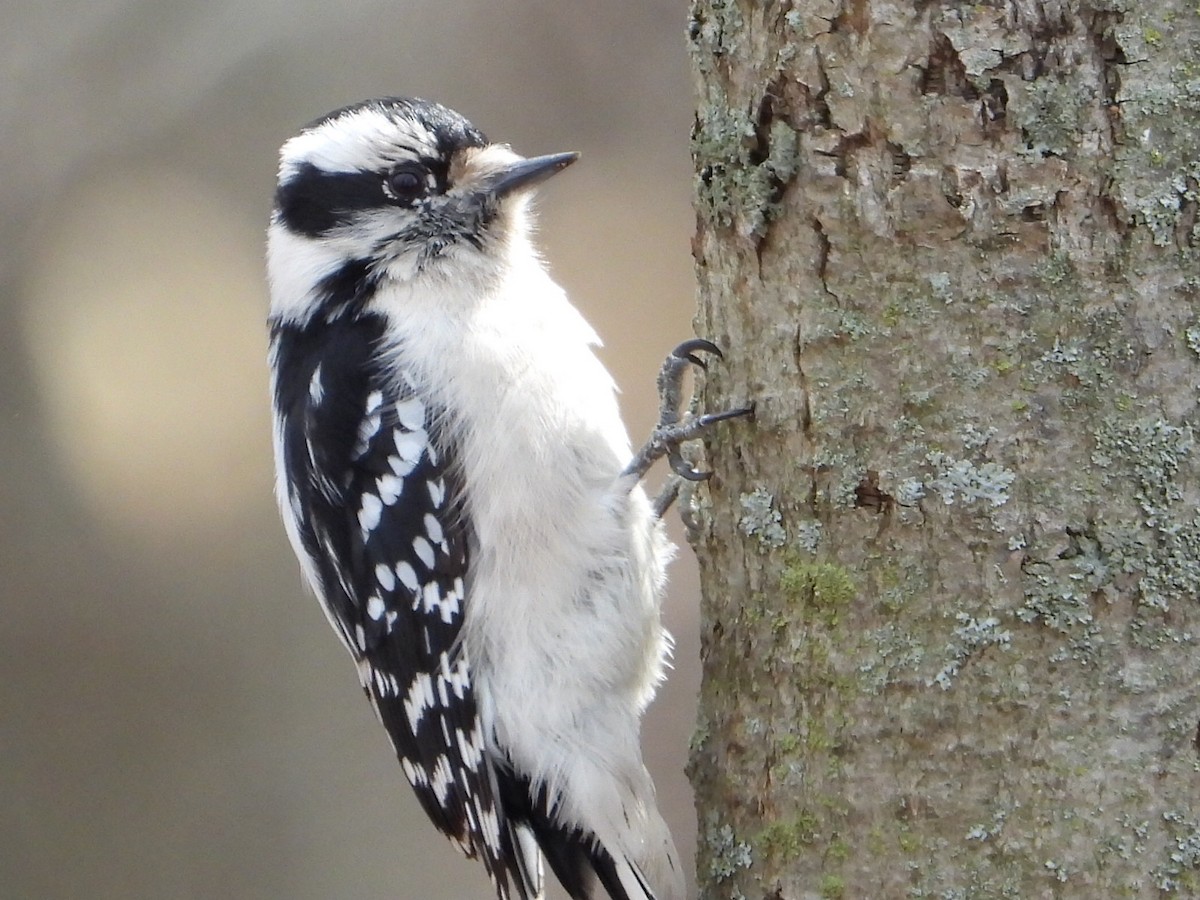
{"x":176,"y":718}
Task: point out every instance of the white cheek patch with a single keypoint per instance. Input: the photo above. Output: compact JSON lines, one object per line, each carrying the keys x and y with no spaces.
{"x":295,"y":265}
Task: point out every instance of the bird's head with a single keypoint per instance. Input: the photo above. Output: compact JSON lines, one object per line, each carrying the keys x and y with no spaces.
{"x":395,"y":189}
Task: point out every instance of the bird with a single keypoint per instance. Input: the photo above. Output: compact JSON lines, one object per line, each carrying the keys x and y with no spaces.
{"x":459,"y":488}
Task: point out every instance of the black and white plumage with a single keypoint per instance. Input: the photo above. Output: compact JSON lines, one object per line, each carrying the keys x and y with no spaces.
{"x":453,"y":477}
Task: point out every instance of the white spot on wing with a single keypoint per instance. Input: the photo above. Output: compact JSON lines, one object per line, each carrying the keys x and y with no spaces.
{"x":433,"y":528}
{"x":449,"y":607}
{"x":386,"y":578}
{"x":424,"y":551}
{"x":411,"y":413}
{"x":416,"y":777}
{"x":401,"y":467}
{"x":469,"y":747}
{"x":491,"y":827}
{"x":367,"y":429}
{"x":419,"y":699}
{"x":409,"y":444}
{"x":371,"y":508}
{"x":431,"y":597}
{"x":375,"y":608}
{"x":437,"y":492}
{"x":457,"y":676}
{"x":408,"y":576}
{"x":443,"y":695}
{"x":389,"y":487}
{"x":442,"y":778}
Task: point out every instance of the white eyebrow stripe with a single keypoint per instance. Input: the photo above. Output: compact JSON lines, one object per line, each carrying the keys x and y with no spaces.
{"x":363,"y":140}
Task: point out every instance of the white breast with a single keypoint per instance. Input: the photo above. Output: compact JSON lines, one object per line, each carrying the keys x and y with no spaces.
{"x":567,"y":561}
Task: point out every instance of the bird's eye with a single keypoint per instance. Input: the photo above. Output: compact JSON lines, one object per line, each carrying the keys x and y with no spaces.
{"x":405,"y":183}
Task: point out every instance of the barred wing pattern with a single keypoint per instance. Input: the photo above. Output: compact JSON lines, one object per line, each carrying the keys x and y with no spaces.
{"x":376,"y":519}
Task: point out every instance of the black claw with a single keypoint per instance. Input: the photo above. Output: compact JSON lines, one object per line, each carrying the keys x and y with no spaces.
{"x":687,"y":349}
{"x":709,"y":418}
{"x":694,"y":344}
{"x":680,"y":467}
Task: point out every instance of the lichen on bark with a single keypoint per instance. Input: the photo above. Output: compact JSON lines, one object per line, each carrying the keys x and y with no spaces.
{"x":951,"y":253}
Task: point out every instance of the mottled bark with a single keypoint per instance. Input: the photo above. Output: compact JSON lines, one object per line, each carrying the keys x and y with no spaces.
{"x":952,"y":569}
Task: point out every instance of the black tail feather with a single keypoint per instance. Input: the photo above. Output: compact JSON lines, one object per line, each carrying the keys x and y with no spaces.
{"x":576,"y":859}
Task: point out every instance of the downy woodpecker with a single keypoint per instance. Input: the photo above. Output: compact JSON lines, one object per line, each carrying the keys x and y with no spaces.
{"x":457,"y":484}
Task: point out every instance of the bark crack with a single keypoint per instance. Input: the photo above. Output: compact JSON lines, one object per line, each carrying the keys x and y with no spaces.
{"x":823,"y":249}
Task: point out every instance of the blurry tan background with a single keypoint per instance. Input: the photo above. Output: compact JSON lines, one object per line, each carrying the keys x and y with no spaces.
{"x":176,"y":718}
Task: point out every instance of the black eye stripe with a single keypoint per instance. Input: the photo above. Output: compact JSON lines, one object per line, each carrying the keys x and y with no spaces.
{"x":314,"y":201}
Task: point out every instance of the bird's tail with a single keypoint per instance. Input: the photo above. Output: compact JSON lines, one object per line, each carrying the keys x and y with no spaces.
{"x":587,"y":869}
{"x":529,"y":861}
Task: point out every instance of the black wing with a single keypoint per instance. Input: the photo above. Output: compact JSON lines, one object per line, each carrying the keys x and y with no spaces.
{"x":378,"y":515}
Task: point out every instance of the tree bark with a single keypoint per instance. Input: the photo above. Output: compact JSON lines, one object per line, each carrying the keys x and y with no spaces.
{"x":951,"y":568}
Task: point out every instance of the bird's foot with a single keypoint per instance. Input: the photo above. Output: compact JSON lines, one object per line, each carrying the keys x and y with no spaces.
{"x":675,"y":427}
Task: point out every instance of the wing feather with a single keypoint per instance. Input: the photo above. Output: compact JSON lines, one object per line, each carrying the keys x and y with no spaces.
{"x":377,"y":512}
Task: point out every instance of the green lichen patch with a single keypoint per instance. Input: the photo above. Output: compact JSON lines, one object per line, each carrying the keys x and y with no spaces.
{"x":833,"y":887}
{"x":785,"y":840}
{"x":820,"y":587}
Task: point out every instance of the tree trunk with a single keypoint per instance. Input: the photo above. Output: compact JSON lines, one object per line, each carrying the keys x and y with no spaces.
{"x":951,"y":569}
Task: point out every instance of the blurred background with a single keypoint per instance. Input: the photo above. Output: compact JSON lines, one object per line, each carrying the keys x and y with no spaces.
{"x":177,"y":720}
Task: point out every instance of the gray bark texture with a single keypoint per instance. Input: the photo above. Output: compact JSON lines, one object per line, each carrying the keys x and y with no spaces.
{"x":951,"y":569}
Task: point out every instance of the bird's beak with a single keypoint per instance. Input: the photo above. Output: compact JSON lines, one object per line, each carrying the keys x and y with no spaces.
{"x":525,"y":173}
